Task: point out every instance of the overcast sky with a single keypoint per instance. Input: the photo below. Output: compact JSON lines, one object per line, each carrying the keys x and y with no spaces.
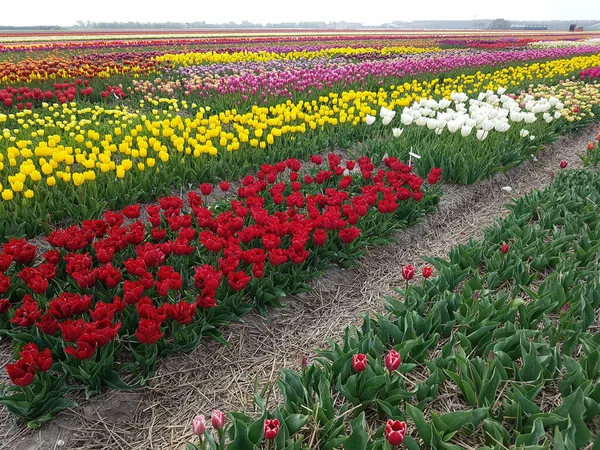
{"x":370,"y":12}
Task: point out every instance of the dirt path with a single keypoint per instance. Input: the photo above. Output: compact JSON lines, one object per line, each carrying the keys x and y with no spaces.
{"x":216,"y":376}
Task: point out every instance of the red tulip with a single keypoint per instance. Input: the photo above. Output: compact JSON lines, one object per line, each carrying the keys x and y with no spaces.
{"x":224,"y":186}
{"x":427,"y":272}
{"x":408,"y":272}
{"x":359,"y":362}
{"x":22,"y":372}
{"x":205,"y":188}
{"x":392,"y":360}
{"x":395,"y":431}
{"x":218,"y":419}
{"x":591,"y":145}
{"x":563,"y":164}
{"x":504,"y":248}
{"x":271,"y":428}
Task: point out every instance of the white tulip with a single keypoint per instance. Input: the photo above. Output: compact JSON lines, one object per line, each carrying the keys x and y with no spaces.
{"x":482,"y":134}
{"x":432,"y":124}
{"x":386,"y":120}
{"x":370,"y":119}
{"x":465,"y":130}
{"x":553,"y":101}
{"x":524,"y":132}
{"x":557,"y":115}
{"x":384,"y":112}
{"x":406,"y":119}
{"x":501,"y":90}
{"x":397,"y":132}
{"x":502,"y":127}
{"x":444,"y":103}
{"x":532,"y":137}
{"x":454,"y":125}
{"x":421,"y":121}
{"x":516,"y":116}
{"x":487,"y":125}
{"x":530,"y":118}
{"x":470,"y":122}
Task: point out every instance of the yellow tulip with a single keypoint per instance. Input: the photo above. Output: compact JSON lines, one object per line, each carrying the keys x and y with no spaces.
{"x":29,"y":193}
{"x":7,"y":194}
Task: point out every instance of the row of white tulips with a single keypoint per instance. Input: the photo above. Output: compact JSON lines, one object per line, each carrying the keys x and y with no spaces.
{"x":489,"y":112}
{"x":564,"y":44}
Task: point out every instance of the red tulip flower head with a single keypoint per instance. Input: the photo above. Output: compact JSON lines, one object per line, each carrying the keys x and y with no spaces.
{"x":271,"y":428}
{"x":504,"y":248}
{"x":427,"y":272}
{"x":205,"y":188}
{"x":563,"y":164}
{"x":218,"y":419}
{"x":591,"y":146}
{"x":408,"y":272}
{"x":392,"y":360}
{"x":359,"y":362}
{"x":395,"y":431}
{"x":199,"y":425}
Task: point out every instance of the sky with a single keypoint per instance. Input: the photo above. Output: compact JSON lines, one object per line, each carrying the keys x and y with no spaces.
{"x":374,"y":12}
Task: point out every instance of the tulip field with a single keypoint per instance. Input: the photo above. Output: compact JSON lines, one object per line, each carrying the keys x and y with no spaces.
{"x":157,"y":188}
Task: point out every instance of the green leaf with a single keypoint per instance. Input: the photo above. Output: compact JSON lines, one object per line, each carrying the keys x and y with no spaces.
{"x":294,"y":422}
{"x":424,"y":428}
{"x":573,"y":407}
{"x":240,"y":439}
{"x":495,"y":433}
{"x":453,"y":421}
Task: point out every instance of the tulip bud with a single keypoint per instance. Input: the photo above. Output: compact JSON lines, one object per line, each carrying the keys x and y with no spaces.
{"x":565,"y":308}
{"x":359,"y":362}
{"x":199,"y":425}
{"x":392,"y":360}
{"x":304,"y":362}
{"x":504,"y":248}
{"x":590,"y":146}
{"x":395,"y":431}
{"x":408,"y":272}
{"x":491,"y":355}
{"x":426,"y":272}
{"x":563,"y":164}
{"x":218,"y":419}
{"x":271,"y":428}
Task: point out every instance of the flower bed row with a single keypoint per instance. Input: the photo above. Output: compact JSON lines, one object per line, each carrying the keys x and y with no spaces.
{"x":115,"y":293}
{"x":508,"y":323}
{"x":52,"y":175}
{"x":474,"y":138}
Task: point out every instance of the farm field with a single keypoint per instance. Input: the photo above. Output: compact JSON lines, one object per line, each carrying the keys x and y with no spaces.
{"x":342,"y":239}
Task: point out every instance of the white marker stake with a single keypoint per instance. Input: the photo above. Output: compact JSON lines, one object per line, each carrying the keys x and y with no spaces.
{"x":412,"y":155}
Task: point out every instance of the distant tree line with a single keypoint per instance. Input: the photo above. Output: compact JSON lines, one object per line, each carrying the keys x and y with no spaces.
{"x":477,"y":24}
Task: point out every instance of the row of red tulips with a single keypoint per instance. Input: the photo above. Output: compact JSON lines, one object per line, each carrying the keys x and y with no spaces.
{"x":159,"y":284}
